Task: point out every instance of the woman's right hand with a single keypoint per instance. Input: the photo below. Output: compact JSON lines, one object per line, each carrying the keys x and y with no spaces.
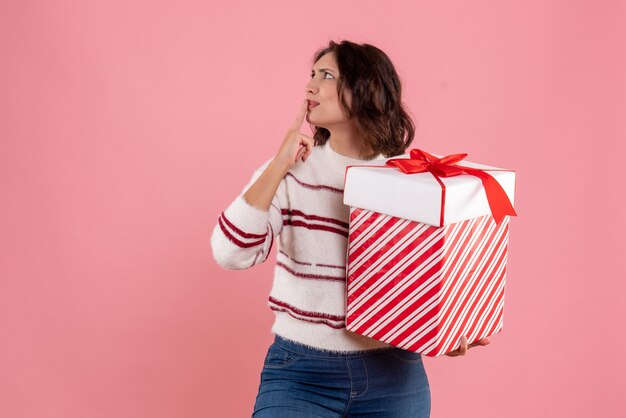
{"x":296,"y":146}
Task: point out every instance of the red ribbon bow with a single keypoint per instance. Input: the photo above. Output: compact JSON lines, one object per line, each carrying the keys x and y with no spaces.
{"x":422,"y":161}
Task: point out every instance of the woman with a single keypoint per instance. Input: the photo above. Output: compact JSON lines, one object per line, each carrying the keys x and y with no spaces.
{"x":315,"y":367}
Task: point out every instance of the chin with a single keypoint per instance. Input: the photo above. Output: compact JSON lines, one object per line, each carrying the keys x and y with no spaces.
{"x":323,"y":123}
{"x":312,"y":120}
{"x":315,"y":122}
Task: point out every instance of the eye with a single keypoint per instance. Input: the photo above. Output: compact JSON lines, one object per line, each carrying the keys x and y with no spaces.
{"x":325,"y":74}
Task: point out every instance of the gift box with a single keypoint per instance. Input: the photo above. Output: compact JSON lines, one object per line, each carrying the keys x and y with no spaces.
{"x":427,"y":250}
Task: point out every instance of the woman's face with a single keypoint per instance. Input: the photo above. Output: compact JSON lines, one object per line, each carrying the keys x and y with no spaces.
{"x":322,"y":89}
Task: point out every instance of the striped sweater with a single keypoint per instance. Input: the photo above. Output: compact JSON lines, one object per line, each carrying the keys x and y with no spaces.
{"x":308,"y":223}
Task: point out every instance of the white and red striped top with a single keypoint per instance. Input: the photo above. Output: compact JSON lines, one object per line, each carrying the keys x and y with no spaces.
{"x":308,"y":223}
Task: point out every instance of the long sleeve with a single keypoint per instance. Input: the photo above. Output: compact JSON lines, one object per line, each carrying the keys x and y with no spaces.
{"x":309,"y":224}
{"x":244,"y":235}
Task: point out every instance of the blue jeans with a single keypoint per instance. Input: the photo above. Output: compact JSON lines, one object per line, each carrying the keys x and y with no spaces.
{"x":301,"y":381}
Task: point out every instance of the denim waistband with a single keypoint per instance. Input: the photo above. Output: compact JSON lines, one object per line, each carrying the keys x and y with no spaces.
{"x":318,"y":352}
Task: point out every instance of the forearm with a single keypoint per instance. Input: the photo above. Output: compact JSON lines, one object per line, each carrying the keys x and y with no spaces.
{"x":261,"y":193}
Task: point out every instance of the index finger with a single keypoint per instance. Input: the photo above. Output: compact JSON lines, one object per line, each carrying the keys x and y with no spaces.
{"x":300,"y":118}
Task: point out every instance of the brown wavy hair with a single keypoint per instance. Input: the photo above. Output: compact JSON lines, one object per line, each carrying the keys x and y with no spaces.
{"x":379,"y":114}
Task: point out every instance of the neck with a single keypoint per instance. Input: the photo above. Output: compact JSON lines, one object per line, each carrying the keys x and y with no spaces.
{"x":345,"y":141}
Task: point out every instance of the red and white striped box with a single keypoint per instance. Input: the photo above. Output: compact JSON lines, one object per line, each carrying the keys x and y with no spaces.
{"x":418,"y":286}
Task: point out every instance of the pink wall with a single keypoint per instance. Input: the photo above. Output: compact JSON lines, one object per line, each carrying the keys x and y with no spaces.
{"x":126,"y":127}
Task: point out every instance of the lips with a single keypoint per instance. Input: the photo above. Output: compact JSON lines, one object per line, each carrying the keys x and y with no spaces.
{"x":312,"y":104}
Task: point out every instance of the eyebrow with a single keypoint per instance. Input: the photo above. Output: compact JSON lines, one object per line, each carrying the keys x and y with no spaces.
{"x":324,"y":69}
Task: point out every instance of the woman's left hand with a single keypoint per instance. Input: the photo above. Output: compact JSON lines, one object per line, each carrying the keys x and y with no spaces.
{"x":464,"y":347}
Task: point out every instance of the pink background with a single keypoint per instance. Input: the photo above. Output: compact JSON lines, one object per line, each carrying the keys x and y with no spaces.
{"x":127,"y":127}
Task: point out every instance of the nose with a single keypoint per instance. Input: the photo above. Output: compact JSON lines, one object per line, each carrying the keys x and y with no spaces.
{"x":311,"y":86}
